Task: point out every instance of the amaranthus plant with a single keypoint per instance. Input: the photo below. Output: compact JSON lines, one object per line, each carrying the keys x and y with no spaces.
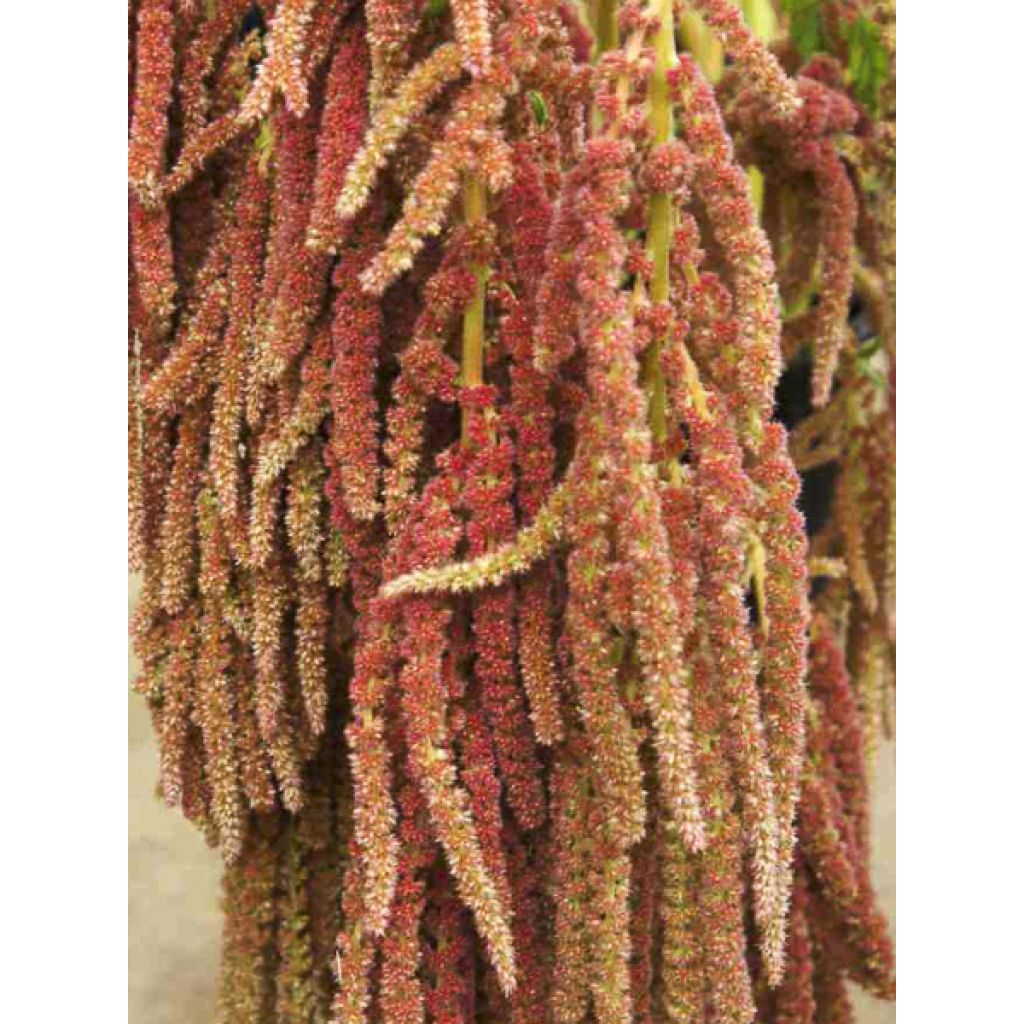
{"x":481,"y":625}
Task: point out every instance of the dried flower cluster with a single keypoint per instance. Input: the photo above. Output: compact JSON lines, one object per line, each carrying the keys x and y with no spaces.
{"x":481,"y":626}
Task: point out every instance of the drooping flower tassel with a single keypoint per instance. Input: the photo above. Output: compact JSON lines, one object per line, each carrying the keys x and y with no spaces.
{"x":269,"y":601}
{"x":255,"y":771}
{"x":488,"y":494}
{"x":200,"y":60}
{"x":836,"y":862}
{"x":152,"y":279}
{"x":178,"y":532}
{"x":554,"y":333}
{"x":447,"y":801}
{"x":473,"y":35}
{"x":392,"y":120}
{"x":425,"y":209}
{"x":724,"y":506}
{"x":296,"y":996}
{"x":832,"y":685}
{"x":282,"y":69}
{"x":831,"y":1000}
{"x":478,"y":769}
{"x":608,"y":919}
{"x":786,"y":619}
{"x":529,"y":928}
{"x":176,"y":701}
{"x":246,"y":254}
{"x":154,"y":46}
{"x":390,"y":26}
{"x":611,"y":740}
{"x":424,"y":703}
{"x":756,"y":61}
{"x":216,"y":715}
{"x":301,"y":272}
{"x":295,"y":47}
{"x":425,"y":372}
{"x":311,"y":615}
{"x":246,"y":984}
{"x":794,"y":1001}
{"x":325,"y":830}
{"x":357,"y":947}
{"x":571,"y":800}
{"x":640,"y":529}
{"x":374,"y":811}
{"x":355,"y":331}
{"x":342,"y":126}
{"x":448,"y":959}
{"x":719,"y":868}
{"x":401,"y":991}
{"x":682,"y":962}
{"x":724,"y":190}
{"x":524,"y":212}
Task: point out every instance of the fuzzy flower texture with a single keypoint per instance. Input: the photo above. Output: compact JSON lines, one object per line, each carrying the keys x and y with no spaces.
{"x":484,"y":359}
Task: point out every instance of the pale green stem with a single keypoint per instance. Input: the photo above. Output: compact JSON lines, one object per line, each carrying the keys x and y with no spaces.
{"x":660,"y":229}
{"x":659,"y":211}
{"x":474,"y":208}
{"x":605,"y":18}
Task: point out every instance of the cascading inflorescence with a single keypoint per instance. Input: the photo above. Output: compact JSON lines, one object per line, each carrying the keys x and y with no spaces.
{"x":481,"y":626}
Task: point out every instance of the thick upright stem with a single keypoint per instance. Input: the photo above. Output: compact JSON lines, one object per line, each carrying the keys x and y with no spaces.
{"x":664,"y":60}
{"x":474,"y":208}
{"x":703,"y":44}
{"x":659,"y":235}
{"x":659,"y":211}
{"x":605,"y":18}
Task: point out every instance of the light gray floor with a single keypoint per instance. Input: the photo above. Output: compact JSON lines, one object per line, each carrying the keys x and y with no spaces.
{"x":173,"y":914}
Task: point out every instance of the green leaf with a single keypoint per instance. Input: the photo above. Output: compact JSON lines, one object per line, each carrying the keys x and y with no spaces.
{"x":804,"y":26}
{"x":539,"y":108}
{"x":435,"y":8}
{"x":869,"y":63}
